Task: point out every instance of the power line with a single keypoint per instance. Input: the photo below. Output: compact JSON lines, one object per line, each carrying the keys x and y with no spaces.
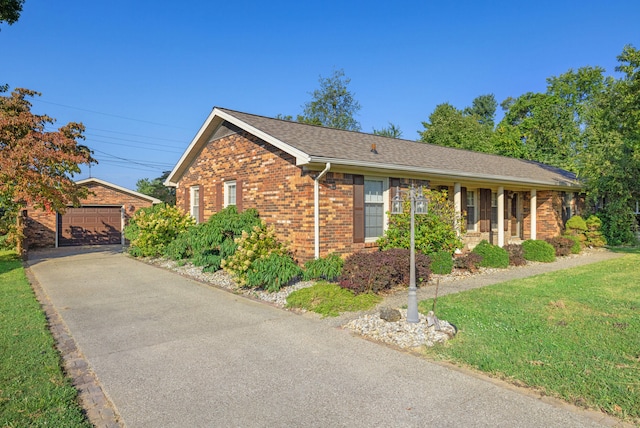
{"x":107,"y":114}
{"x":137,"y":161}
{"x":130,"y":145}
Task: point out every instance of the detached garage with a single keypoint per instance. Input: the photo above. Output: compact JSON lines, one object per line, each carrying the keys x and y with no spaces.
{"x":99,"y":220}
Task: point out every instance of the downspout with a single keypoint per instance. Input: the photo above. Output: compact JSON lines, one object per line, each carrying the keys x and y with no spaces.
{"x":316,"y":208}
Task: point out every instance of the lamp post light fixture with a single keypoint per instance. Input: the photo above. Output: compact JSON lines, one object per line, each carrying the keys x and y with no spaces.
{"x":419,"y":205}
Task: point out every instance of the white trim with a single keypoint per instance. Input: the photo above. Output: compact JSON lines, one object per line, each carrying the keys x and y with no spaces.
{"x":119,"y":188}
{"x":316,"y":210}
{"x":192,"y":202}
{"x":227,"y":193}
{"x":476,"y":198}
{"x":501,"y":216}
{"x":534,"y":209}
{"x":385,"y":205}
{"x":457,"y":204}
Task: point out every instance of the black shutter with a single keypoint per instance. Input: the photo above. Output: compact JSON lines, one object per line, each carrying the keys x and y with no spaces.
{"x":358,"y":208}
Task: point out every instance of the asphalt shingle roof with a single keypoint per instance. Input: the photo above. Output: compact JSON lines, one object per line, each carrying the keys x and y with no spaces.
{"x":350,"y":146}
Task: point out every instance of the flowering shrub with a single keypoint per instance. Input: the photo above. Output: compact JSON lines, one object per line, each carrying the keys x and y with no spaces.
{"x":259,"y":244}
{"x":150,"y":230}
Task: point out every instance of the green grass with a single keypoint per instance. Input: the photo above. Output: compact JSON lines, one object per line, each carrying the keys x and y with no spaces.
{"x":572,"y":334}
{"x":33,"y":389}
{"x":330,"y":299}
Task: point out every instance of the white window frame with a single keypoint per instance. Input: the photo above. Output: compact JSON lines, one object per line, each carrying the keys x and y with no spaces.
{"x":472,"y":227}
{"x":194,"y":202}
{"x":385,"y":206}
{"x":494,"y":210}
{"x":230,"y":193}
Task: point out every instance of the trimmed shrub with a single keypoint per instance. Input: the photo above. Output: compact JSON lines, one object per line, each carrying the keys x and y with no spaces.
{"x":561,"y":245}
{"x":594,"y":236}
{"x":576,"y":225}
{"x":576,"y":247}
{"x":492,"y":255}
{"x":382,"y":270}
{"x":538,"y":251}
{"x":207,"y":244}
{"x":273,"y":272}
{"x":258,"y":244}
{"x":151,"y":229}
{"x":469,"y":261}
{"x":516,"y":256}
{"x":441,"y":262}
{"x":329,"y":268}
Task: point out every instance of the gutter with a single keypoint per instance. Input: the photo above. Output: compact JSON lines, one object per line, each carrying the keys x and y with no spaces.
{"x":316,"y":209}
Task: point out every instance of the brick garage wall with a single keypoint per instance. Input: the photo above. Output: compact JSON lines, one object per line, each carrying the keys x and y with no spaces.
{"x":280,"y":191}
{"x":40,"y":230}
{"x":548,"y":215}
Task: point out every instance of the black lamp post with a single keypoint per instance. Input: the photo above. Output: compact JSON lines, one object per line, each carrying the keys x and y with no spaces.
{"x":418,"y":205}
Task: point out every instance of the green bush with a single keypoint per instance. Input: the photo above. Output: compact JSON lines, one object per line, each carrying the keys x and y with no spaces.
{"x":594,"y":236}
{"x":516,"y":257}
{"x":382,"y":270}
{"x":207,"y":244}
{"x":576,"y":225}
{"x":273,"y":272}
{"x":151,"y":229}
{"x":576,"y":247}
{"x":441,"y":263}
{"x":329,"y":268}
{"x":258,"y":244}
{"x":492,"y":255}
{"x":434,"y":231}
{"x":538,"y":251}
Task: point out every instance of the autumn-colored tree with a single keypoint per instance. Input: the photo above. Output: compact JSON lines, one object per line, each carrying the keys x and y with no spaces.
{"x":36,"y":165}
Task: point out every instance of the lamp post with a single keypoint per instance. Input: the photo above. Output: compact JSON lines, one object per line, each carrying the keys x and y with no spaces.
{"x":418,"y":204}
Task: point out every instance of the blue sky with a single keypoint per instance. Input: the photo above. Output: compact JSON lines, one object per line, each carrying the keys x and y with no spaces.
{"x":143,"y":75}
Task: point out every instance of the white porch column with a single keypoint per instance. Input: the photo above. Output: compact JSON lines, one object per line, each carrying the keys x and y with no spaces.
{"x":534,"y":207}
{"x":457,"y":203}
{"x":501,"y":216}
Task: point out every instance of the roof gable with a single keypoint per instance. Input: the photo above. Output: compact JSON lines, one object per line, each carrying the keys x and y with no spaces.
{"x":312,"y":145}
{"x":118,"y":188}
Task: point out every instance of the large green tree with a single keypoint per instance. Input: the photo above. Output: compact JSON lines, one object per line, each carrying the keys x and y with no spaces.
{"x":392,"y":131}
{"x":609,"y":159}
{"x":448,"y":126}
{"x":10,"y":10}
{"x":155,"y":187}
{"x":332,"y":105}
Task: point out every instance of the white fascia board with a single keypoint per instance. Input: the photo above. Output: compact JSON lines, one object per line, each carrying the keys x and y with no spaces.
{"x":170,"y":178}
{"x":205,"y":130}
{"x":120,"y":188}
{"x":445,"y":174}
{"x":298,"y":154}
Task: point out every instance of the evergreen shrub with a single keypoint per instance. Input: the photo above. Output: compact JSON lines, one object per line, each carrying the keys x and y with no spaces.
{"x":382,"y":270}
{"x":492,"y":255}
{"x":576,"y":247}
{"x":441,"y":262}
{"x":538,"y":251}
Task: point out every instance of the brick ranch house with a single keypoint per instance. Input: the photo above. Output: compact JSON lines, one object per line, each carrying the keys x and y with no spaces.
{"x":328,"y":190}
{"x":100,"y":218}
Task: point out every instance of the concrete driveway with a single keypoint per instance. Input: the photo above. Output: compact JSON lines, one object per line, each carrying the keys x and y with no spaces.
{"x":171,"y":352}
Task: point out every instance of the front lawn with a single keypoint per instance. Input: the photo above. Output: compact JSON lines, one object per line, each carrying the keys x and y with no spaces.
{"x":33,"y":388}
{"x":572,"y":334}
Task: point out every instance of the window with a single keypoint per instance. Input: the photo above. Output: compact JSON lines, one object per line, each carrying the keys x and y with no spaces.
{"x":471,"y":210}
{"x":229,"y":193}
{"x":494,"y":210}
{"x":195,"y":203}
{"x":373,"y":208}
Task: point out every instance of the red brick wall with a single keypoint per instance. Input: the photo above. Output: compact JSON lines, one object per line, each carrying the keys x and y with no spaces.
{"x":281,"y":192}
{"x":548,"y":215}
{"x":40,"y":230}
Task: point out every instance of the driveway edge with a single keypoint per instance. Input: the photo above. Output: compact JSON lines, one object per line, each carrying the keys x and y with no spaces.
{"x":97,"y":406}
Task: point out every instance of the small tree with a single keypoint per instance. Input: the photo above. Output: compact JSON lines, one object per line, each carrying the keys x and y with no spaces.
{"x":434,"y":231}
{"x":157,"y":189}
{"x":36,"y":165}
